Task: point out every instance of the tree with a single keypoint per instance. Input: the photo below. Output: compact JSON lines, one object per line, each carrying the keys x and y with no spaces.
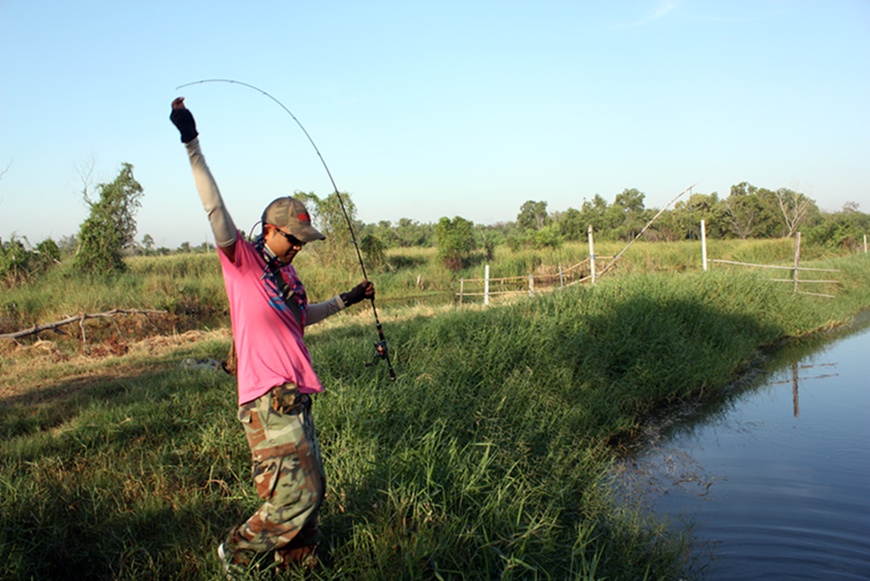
{"x":455,"y":241}
{"x":148,"y":242}
{"x":547,"y":237}
{"x":412,"y":233}
{"x":571,"y":225}
{"x":18,"y":264}
{"x":795,"y":208}
{"x":374,"y":250}
{"x":841,"y":230}
{"x":684,"y":221}
{"x":593,"y":213}
{"x":630,"y":200}
{"x":111,"y":225}
{"x":627,"y":213}
{"x":15,"y":261}
{"x":532,"y":216}
{"x":743,"y":209}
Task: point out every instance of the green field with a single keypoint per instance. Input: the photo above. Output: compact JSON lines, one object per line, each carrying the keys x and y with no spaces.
{"x":487,"y":459}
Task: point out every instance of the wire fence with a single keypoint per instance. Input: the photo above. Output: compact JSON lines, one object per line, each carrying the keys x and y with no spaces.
{"x":795,"y":268}
{"x":488,"y":287}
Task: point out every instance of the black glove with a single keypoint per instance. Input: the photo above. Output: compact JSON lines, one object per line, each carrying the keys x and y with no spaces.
{"x":183,"y":119}
{"x":364,"y":290}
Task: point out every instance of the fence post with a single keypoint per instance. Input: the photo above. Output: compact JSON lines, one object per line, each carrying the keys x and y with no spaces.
{"x":591,"y":253}
{"x":531,"y":284}
{"x":704,"y":244}
{"x":797,"y":258}
{"x":561,"y":281}
{"x":461,"y":289}
{"x":486,"y":285}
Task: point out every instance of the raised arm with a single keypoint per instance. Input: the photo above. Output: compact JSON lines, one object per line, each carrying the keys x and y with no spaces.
{"x":221,"y":222}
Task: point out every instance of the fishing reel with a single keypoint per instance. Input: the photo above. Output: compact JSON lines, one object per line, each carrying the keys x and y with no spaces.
{"x":382,"y":353}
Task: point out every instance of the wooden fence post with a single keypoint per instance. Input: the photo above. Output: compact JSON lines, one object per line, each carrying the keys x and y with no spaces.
{"x":797,"y":258}
{"x":704,"y":244}
{"x":591,"y":253}
{"x":561,"y":280}
{"x":486,"y":285}
{"x":531,"y":284}
{"x":461,"y":288}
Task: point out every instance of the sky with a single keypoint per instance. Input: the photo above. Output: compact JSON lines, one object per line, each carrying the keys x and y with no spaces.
{"x":424,"y":109}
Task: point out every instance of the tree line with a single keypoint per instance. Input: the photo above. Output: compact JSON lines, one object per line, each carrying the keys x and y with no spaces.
{"x":747,"y":212}
{"x":108,"y":233}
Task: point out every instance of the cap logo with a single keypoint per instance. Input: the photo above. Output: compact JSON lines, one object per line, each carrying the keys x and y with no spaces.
{"x":303,"y":217}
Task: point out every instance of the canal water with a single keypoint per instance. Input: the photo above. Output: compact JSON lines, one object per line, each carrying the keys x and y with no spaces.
{"x":772,"y":480}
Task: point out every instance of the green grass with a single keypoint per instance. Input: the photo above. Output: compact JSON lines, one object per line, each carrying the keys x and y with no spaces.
{"x":486,"y":460}
{"x":190,"y":288}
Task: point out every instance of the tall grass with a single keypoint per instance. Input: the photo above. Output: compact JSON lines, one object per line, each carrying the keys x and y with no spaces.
{"x":190,"y":288}
{"x":484,"y":461}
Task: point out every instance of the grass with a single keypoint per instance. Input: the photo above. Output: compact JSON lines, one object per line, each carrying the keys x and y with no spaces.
{"x":190,"y":288}
{"x":487,"y":459}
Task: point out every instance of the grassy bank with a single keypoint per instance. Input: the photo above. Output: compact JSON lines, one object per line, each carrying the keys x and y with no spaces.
{"x":485,"y":460}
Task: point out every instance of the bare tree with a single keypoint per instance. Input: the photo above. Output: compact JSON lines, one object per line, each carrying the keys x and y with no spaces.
{"x":795,"y":208}
{"x":85,"y":171}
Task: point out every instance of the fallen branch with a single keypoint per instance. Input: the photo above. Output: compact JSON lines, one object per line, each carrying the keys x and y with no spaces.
{"x":80,"y":318}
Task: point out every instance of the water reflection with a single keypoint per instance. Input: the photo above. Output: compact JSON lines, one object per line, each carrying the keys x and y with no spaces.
{"x":772,"y":478}
{"x":796,"y":371}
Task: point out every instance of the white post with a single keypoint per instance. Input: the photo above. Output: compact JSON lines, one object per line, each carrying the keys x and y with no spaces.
{"x":797,"y":258}
{"x":486,"y":285}
{"x":704,"y":243}
{"x":591,"y":253}
{"x":531,"y":285}
{"x":561,"y":280}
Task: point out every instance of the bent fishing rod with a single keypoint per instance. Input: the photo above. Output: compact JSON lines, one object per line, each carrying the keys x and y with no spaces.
{"x":381,"y":350}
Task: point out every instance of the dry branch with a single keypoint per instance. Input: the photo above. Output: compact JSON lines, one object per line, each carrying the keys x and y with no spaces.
{"x":80,"y":318}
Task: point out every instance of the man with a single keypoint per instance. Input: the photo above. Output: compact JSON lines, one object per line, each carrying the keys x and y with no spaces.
{"x":269,"y":311}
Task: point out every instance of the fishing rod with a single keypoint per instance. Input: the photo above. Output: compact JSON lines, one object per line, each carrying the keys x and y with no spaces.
{"x":381,"y":350}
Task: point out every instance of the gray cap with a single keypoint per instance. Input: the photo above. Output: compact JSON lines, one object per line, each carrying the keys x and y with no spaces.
{"x":290,"y":214}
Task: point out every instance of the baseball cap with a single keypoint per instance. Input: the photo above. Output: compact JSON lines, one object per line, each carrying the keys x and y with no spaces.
{"x":290,"y":214}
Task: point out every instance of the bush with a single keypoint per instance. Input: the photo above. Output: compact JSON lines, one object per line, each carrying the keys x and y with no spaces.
{"x":111,"y":224}
{"x":19,"y":265}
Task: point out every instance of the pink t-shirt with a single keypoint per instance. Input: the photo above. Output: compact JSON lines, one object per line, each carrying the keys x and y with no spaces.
{"x":268,"y":338}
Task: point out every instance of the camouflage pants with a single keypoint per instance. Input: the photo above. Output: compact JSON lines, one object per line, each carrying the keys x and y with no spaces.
{"x":287,"y":469}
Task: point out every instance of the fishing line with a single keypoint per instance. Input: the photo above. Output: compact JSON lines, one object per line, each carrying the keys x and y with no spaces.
{"x":381,"y":351}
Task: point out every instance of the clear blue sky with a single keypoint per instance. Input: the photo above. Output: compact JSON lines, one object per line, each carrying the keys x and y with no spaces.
{"x":424,"y":109}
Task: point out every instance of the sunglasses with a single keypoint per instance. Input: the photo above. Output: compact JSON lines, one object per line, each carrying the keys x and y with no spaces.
{"x":292,"y":240}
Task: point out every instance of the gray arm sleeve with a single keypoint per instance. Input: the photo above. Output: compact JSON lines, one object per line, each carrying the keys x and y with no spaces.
{"x":221,"y":222}
{"x":319,"y":311}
